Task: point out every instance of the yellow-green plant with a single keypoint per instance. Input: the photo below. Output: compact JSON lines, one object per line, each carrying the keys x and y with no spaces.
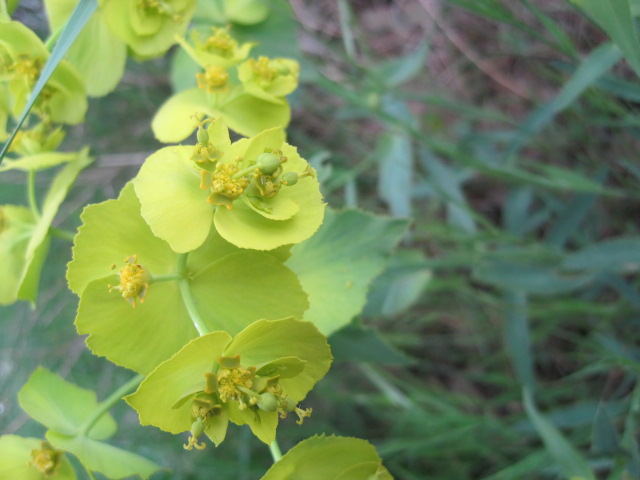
{"x":212,"y":275}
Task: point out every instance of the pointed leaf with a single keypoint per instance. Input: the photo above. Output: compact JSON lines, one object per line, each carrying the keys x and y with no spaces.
{"x":570,"y":461}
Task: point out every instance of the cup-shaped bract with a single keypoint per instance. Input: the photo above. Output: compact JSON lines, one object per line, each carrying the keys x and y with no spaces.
{"x":261,"y":374}
{"x":23,"y":56}
{"x":269,"y":78}
{"x":231,"y":287}
{"x":261,"y":194}
{"x":148,"y":27}
{"x":32,"y":459}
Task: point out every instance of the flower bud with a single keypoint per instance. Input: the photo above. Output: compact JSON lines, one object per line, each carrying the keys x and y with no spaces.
{"x":268,"y":163}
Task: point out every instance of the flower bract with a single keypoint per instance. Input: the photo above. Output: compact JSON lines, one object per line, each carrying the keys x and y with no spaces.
{"x":148,"y":27}
{"x":252,"y":205}
{"x":255,"y":378}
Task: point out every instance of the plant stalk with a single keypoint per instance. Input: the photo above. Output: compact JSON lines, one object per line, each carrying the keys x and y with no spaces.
{"x":276,"y":453}
{"x":187,"y":297}
{"x":105,"y":406}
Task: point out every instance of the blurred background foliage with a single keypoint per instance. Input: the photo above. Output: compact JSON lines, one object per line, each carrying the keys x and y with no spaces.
{"x":502,"y":340}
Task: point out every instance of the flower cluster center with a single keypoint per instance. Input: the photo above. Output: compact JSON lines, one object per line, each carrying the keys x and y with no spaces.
{"x":134,"y":280}
{"x":213,"y":79}
{"x":46,"y":459}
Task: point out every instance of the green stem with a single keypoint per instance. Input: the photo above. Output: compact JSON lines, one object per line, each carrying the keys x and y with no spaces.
{"x":276,"y":453}
{"x":165,"y":278}
{"x":61,"y":233}
{"x":51,"y":41}
{"x":243,"y":172}
{"x":105,"y":406}
{"x":187,"y":297}
{"x":31,"y":192}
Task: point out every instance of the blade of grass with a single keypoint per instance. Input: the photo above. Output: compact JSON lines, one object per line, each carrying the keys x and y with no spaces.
{"x":83,"y":11}
{"x":518,"y":338}
{"x":589,"y":71}
{"x":570,"y":461}
{"x":614,"y":17}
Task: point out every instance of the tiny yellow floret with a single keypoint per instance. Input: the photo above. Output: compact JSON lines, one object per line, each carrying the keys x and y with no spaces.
{"x":213,"y":79}
{"x":134,"y":281}
{"x":46,"y":459}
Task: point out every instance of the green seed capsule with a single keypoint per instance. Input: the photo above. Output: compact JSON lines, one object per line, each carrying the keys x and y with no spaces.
{"x":203,"y":136}
{"x":267,"y":402}
{"x":197,"y":428}
{"x":268,"y":163}
{"x":289,"y":178}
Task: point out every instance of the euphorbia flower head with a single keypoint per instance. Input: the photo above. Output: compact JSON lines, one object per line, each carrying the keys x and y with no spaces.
{"x":254,"y":379}
{"x":260,"y":193}
{"x":148,"y":27}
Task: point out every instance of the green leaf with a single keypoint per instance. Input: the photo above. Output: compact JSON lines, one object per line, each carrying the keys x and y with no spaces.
{"x":242,"y":287}
{"x":56,"y":194}
{"x":397,"y":71}
{"x":101,"y":457}
{"x":604,"y":436}
{"x":77,"y":21}
{"x":521,"y":275}
{"x":589,"y":71}
{"x":395,"y":154}
{"x":231,"y":288}
{"x":13,"y":247}
{"x":155,"y":329}
{"x":337,"y":264}
{"x":329,"y":458}
{"x":615,"y":18}
{"x":62,"y":406}
{"x":111,"y":231}
{"x":98,"y":55}
{"x":399,"y":286}
{"x":615,"y":255}
{"x":517,"y":337}
{"x":15,"y":461}
{"x":39,"y":161}
{"x":267,"y":340}
{"x":571,"y":463}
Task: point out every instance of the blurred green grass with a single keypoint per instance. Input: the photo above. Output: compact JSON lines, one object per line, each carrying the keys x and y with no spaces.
{"x":524,"y":210}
